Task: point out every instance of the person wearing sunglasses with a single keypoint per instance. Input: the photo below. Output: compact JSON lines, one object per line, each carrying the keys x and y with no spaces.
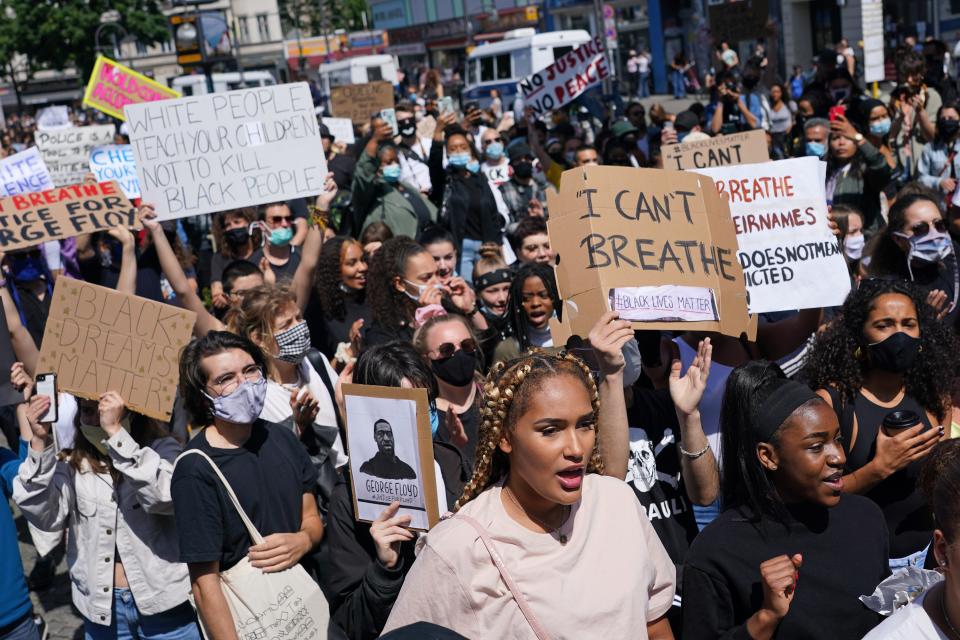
{"x":450,"y":346}
{"x":915,"y":245}
{"x":883,"y":360}
{"x":495,"y":164}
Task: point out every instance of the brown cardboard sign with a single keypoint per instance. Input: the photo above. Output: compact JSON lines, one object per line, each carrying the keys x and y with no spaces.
{"x":360,"y":101}
{"x":657,"y":246}
{"x":391,"y":453}
{"x":29,"y":219}
{"x":747,"y":147}
{"x":98,"y":339}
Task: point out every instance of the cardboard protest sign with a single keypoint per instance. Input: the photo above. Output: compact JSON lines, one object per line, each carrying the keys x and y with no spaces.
{"x":33,"y":218}
{"x":227,"y":150}
{"x":24,"y":172}
{"x":341,"y":129}
{"x":565,"y":79}
{"x":113,"y":86}
{"x":98,"y":339}
{"x":657,"y":246}
{"x":747,"y":147}
{"x":360,"y":102}
{"x":790,"y":258}
{"x":116,"y":162}
{"x":66,"y":151}
{"x":391,"y":453}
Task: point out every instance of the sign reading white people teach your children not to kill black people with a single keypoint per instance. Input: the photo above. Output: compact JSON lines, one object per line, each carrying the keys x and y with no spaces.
{"x":790,"y":258}
{"x":221,"y":151}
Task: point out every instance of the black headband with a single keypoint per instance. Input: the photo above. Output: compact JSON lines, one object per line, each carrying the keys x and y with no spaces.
{"x":494,"y":277}
{"x":786,"y":395}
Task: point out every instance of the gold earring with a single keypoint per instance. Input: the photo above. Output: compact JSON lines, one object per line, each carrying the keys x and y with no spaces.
{"x":858,"y":353}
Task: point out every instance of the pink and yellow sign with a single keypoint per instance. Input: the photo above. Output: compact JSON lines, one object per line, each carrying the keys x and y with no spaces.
{"x":113,"y":85}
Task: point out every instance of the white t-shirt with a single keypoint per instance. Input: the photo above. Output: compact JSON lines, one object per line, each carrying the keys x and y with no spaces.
{"x":609,"y":580}
{"x":643,"y":64}
{"x":909,"y":623}
{"x":276,"y":406}
{"x":496,"y":174}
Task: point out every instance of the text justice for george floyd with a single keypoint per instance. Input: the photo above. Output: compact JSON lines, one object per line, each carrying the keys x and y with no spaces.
{"x":679,"y":255}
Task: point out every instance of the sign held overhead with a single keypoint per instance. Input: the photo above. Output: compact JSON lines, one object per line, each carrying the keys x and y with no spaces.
{"x":112,"y":86}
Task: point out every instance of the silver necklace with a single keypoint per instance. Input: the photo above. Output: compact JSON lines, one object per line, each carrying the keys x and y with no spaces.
{"x":943,"y":612}
{"x":551,"y":530}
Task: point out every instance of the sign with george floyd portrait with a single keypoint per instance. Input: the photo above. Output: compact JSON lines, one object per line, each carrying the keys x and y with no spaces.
{"x":391,"y":453}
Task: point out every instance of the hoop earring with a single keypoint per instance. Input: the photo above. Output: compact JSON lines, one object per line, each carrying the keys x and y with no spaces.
{"x":858,"y":353}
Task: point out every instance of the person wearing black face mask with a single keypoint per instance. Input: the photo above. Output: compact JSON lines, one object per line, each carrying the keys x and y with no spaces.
{"x":523,"y":195}
{"x":414,"y":151}
{"x":231,"y":230}
{"x":454,"y":355}
{"x":904,"y":360}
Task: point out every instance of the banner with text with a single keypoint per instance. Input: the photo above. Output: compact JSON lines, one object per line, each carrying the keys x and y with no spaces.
{"x":359,"y":102}
{"x":656,"y":246}
{"x":116,"y":162}
{"x":790,"y":258}
{"x":564,"y":80}
{"x":747,"y":147}
{"x":66,"y":152}
{"x":227,"y":150}
{"x":98,"y":340}
{"x":24,"y":172}
{"x":32,"y":218}
{"x":112,"y":86}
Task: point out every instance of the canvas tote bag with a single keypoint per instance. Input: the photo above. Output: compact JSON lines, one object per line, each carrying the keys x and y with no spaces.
{"x":287,"y":604}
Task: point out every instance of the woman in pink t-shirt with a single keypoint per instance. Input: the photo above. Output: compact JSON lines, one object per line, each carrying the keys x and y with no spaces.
{"x":583,"y":561}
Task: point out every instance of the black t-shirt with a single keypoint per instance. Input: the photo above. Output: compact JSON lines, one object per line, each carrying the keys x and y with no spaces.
{"x":269,"y":473}
{"x":653,"y":471}
{"x":471,"y":425}
{"x":283,"y":272}
{"x":844,"y":551}
{"x":472,"y":228}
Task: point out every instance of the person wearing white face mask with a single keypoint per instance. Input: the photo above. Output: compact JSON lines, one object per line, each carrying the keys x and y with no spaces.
{"x":112,"y":491}
{"x":223,"y":385}
{"x":850,"y":222}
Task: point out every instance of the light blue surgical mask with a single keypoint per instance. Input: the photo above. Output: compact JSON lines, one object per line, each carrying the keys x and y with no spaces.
{"x":434,"y":420}
{"x":880,"y":127}
{"x":473,"y":166}
{"x":391,"y":173}
{"x":495,"y":151}
{"x":281,"y":237}
{"x":243,"y":405}
{"x":815,"y":148}
{"x":459,"y":160}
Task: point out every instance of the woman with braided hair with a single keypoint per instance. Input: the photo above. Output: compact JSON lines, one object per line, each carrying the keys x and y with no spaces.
{"x":542,"y":545}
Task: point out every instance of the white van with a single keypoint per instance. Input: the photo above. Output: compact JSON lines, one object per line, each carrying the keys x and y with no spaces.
{"x":358,"y":70}
{"x":501,"y":65}
{"x":196,"y":84}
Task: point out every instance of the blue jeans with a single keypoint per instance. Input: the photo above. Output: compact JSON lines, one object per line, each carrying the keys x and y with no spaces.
{"x":179,"y":623}
{"x":26,"y":630}
{"x":913,"y":560}
{"x":679,"y":88}
{"x":643,"y":85}
{"x":468,"y":256}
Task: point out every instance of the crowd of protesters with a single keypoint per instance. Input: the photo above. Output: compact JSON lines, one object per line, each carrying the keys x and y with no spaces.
{"x":628,"y":483}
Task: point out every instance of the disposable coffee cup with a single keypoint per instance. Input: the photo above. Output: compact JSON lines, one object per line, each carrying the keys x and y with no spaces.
{"x":896,"y":421}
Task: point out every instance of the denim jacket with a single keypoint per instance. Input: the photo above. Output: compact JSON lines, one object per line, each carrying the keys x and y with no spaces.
{"x":933,"y":164}
{"x":133,"y":518}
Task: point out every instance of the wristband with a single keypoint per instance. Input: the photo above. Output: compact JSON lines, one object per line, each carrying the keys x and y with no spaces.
{"x":694,"y":456}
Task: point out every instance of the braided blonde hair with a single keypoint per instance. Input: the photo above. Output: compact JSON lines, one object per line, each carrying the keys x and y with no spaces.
{"x":506,"y":391}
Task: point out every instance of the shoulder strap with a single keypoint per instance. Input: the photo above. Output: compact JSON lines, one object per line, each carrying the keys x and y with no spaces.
{"x":532,"y":619}
{"x":251,"y":530}
{"x":845,"y":414}
{"x":317,"y":361}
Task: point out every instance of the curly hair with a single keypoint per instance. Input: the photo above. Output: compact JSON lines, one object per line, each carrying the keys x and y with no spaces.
{"x":839,"y":358}
{"x":391,"y":308}
{"x":506,"y":393}
{"x":327,"y":280}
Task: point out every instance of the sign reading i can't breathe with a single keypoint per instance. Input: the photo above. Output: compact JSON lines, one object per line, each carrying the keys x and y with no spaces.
{"x":790,"y":258}
{"x":227,"y":150}
{"x":98,"y":340}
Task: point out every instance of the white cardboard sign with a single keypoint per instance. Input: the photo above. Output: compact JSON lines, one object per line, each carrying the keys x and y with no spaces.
{"x":24,"y":172}
{"x":341,"y":129}
{"x":116,"y":162}
{"x":565,"y":79}
{"x":66,"y":152}
{"x":790,"y":258}
{"x":222,"y":151}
